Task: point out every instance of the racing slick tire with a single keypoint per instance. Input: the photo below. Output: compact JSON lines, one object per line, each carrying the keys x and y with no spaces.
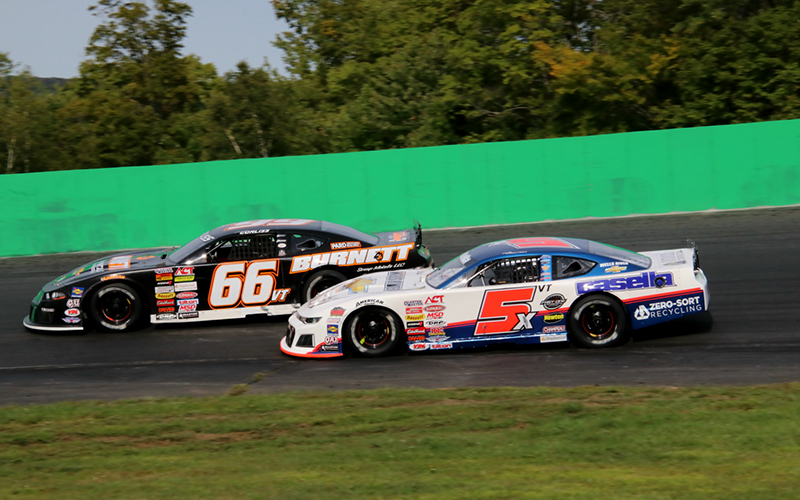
{"x":115,"y":307}
{"x":320,"y":281}
{"x":598,"y":321}
{"x":373,"y":332}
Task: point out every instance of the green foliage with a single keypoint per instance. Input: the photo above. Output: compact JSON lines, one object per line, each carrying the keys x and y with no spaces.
{"x":380,"y":74}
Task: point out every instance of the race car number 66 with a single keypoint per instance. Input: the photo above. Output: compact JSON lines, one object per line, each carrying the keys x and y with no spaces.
{"x":231,"y":284}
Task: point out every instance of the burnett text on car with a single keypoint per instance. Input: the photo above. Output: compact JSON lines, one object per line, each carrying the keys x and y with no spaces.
{"x":268,"y":266}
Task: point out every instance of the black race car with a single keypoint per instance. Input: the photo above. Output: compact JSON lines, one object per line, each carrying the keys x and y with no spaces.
{"x":267,"y":266}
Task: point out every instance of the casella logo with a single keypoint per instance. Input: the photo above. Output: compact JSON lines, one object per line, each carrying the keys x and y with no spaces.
{"x":644,"y":280}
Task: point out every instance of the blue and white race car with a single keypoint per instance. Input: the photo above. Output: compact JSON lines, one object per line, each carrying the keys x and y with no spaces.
{"x":523,"y":291}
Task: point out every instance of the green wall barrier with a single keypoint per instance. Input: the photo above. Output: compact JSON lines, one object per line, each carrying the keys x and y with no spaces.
{"x":734,"y":166}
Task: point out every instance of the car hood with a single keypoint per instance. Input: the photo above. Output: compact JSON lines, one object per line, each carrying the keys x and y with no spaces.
{"x":371,"y":284}
{"x":118,"y":263}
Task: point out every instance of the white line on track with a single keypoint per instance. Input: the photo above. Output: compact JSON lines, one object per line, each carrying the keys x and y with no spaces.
{"x":128,"y":364}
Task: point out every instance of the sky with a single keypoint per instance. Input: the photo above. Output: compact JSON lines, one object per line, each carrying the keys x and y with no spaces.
{"x":50,"y":36}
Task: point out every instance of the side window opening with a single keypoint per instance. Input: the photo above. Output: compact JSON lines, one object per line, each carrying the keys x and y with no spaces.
{"x":249,"y":248}
{"x":508,"y":271}
{"x":304,"y":243}
{"x":569,"y":267}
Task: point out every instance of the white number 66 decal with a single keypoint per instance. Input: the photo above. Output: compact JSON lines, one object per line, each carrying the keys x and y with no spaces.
{"x":231,"y":284}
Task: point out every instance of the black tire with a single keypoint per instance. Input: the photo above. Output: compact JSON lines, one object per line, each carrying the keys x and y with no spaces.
{"x":320,"y":281}
{"x":115,"y":307}
{"x":373,"y":332}
{"x":598,"y":321}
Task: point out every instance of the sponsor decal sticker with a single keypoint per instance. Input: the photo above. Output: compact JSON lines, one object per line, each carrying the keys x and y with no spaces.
{"x":333,"y":329}
{"x":615,"y":269}
{"x":415,"y":317}
{"x":553,"y":318}
{"x":554,"y":329}
{"x":345,"y":244}
{"x":164,"y":289}
{"x":183,"y":287}
{"x":72,"y":303}
{"x":188,"y":315}
{"x":435,"y":322}
{"x":184,"y":271}
{"x":436,"y":330}
{"x":360,"y":285}
{"x":47,"y":309}
{"x":170,"y":295}
{"x":414,"y":324}
{"x":668,"y":308}
{"x":366,"y":302}
{"x":436,"y":299}
{"x":416,"y":338}
{"x":410,"y":303}
{"x":394,"y":281}
{"x":164,"y":270}
{"x":434,"y":315}
{"x":183,"y":278}
{"x":337,"y":311}
{"x":77,"y":292}
{"x":553,"y":301}
{"x":112,"y":277}
{"x":164,"y":277}
{"x":413,"y":310}
{"x":166,"y":309}
{"x":418,"y":347}
{"x":416,"y":331}
{"x":187,"y":295}
{"x":434,"y":308}
{"x":166,"y":316}
{"x":122,"y":262}
{"x":443,"y":345}
{"x":650,"y":279}
{"x":355,"y":257}
{"x":72,"y":312}
{"x":165,"y":302}
{"x":71,"y":321}
{"x":558,"y":337}
{"x":331,"y":340}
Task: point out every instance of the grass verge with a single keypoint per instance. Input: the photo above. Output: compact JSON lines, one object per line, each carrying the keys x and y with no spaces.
{"x":487,"y":443}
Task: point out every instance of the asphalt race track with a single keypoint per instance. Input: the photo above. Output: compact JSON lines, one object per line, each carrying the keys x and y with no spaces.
{"x":750,"y":258}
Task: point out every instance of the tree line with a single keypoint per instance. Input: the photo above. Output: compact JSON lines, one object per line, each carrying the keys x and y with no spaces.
{"x":382,"y":74}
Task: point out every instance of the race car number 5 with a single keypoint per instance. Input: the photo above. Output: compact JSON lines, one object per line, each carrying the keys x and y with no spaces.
{"x":505,"y":311}
{"x":231,"y":284}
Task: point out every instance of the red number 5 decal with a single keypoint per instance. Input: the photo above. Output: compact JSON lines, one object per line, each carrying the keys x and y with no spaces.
{"x":231,"y":284}
{"x":505,"y":311}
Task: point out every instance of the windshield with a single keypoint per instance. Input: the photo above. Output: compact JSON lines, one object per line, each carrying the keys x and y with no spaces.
{"x":447,"y":271}
{"x":182,"y":253}
{"x":620,"y":254}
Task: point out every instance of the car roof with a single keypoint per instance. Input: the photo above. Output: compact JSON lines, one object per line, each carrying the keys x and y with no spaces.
{"x":530,"y":245}
{"x":271,"y":225}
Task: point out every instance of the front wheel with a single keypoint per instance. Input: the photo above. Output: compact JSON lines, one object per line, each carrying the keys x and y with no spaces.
{"x":115,"y":307}
{"x":598,"y":321}
{"x":373,"y":332}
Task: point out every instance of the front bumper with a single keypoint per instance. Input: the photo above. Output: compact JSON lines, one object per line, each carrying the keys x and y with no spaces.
{"x":310,"y":341}
{"x":53,"y":316}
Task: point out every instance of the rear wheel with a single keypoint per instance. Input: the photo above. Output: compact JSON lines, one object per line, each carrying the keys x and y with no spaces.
{"x":598,"y":321}
{"x":319,"y":282}
{"x":115,"y":307}
{"x":373,"y":332}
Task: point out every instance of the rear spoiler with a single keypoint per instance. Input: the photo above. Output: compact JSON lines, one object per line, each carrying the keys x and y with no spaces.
{"x":696,"y":256}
